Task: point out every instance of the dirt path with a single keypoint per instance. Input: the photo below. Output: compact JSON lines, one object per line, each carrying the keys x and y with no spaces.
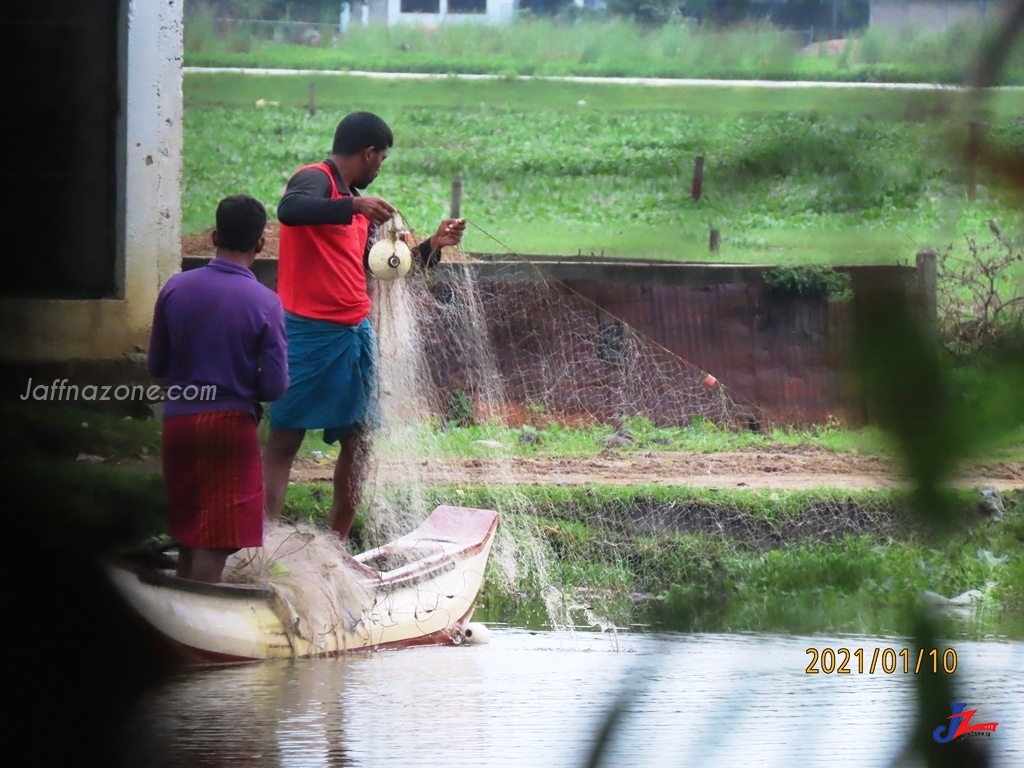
{"x":781,"y":469}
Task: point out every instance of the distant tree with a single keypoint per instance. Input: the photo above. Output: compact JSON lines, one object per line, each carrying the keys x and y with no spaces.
{"x":696,"y":9}
{"x":805,"y":13}
{"x":724,"y":12}
{"x":298,"y":9}
{"x":648,"y":13}
{"x":266,"y":9}
{"x":825,"y":17}
{"x":545,"y":7}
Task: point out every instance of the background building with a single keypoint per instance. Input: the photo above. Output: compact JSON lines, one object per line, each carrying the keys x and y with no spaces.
{"x":93,"y":171}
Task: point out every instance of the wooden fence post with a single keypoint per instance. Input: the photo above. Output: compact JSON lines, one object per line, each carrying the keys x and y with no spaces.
{"x":715,"y":240}
{"x":927,"y":281}
{"x":698,"y":178}
{"x":973,"y":154}
{"x":456,"y":196}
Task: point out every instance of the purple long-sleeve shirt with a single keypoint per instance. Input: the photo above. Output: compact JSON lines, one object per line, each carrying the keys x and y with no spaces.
{"x":217,"y":325}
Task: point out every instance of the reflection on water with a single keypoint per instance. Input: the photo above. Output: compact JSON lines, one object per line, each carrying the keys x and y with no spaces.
{"x":535,"y":699}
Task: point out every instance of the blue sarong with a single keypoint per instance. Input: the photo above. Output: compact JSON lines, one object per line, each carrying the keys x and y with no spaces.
{"x":332,"y":378}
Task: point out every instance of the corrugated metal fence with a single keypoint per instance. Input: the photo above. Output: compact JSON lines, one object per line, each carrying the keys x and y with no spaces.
{"x":787,"y":356}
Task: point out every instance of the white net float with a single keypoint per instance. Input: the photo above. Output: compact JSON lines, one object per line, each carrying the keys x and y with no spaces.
{"x":390,"y":259}
{"x":476,"y":634}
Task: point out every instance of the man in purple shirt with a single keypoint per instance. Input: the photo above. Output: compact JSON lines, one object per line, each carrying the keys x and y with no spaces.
{"x":218,"y":341}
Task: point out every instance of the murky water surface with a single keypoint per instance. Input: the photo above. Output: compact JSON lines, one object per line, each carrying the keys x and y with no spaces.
{"x":536,"y":699}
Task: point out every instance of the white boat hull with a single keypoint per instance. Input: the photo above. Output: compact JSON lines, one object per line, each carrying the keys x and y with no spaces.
{"x":428,"y":600}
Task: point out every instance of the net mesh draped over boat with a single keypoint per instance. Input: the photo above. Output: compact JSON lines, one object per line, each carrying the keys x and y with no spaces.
{"x":322,"y":593}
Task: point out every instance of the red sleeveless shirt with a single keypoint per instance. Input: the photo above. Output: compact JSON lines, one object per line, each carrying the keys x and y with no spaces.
{"x":320,"y":272}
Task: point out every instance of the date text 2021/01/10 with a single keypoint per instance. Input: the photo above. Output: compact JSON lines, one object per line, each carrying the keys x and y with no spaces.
{"x":888,"y":661}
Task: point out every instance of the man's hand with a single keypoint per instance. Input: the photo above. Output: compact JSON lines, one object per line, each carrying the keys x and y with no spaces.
{"x":376,"y":209}
{"x":449,"y":233}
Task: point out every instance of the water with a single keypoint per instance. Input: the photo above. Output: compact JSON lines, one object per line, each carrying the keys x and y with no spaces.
{"x":536,"y":699}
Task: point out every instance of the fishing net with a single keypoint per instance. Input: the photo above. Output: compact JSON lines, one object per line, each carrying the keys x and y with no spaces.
{"x":504,"y":347}
{"x":320,"y":591}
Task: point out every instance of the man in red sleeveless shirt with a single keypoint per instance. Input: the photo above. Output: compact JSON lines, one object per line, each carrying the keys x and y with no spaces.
{"x":325,"y":230}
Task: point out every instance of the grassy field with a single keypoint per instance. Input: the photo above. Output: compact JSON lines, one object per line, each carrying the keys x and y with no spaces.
{"x":791,"y":175}
{"x":602,"y":47}
{"x":335,"y":91}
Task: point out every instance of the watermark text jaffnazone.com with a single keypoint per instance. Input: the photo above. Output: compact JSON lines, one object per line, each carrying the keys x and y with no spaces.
{"x":62,"y":389}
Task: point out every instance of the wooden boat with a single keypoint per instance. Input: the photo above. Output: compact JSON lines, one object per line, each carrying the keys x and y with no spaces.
{"x":419,"y":589}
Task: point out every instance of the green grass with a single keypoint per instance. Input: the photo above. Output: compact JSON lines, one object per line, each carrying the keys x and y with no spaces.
{"x":604,"y":47}
{"x":66,"y":430}
{"x":542,"y":175}
{"x":551,"y":439}
{"x":338,"y":92}
{"x":546,"y":438}
{"x":611,"y":505}
{"x":732,"y":579}
{"x":1008,"y":448}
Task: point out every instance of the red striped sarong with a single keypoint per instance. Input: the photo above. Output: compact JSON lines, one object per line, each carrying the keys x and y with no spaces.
{"x":214,"y":480}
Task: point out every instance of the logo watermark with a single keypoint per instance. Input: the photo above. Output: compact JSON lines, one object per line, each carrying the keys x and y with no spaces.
{"x":959,"y":725}
{"x":63,"y":390}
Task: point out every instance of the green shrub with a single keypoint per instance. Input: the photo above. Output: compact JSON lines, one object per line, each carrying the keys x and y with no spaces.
{"x":808,"y":282}
{"x":460,"y":411}
{"x":647,"y":13}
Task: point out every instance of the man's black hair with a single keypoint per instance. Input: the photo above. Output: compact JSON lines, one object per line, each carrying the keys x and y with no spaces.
{"x":241,"y":220}
{"x":360,"y":130}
